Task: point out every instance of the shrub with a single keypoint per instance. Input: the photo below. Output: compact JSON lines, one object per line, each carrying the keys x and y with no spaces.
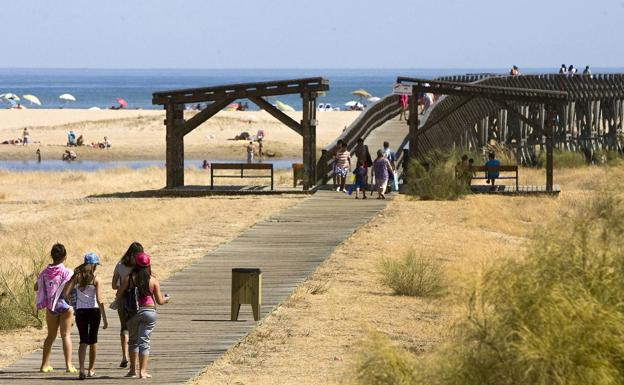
{"x":382,"y":363}
{"x":412,"y":275}
{"x":563,"y":159}
{"x":437,"y":182}
{"x":17,"y":297}
{"x":555,"y":317}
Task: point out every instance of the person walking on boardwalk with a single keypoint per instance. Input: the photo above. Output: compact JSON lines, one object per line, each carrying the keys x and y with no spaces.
{"x":382,"y":170}
{"x":343,"y":164}
{"x":391,"y":156}
{"x":89,"y":310}
{"x":142,"y":324}
{"x":362,"y":154}
{"x":123,"y":268}
{"x":59,"y":314}
{"x":563,"y":70}
{"x":404,"y":103}
{"x":338,"y":149}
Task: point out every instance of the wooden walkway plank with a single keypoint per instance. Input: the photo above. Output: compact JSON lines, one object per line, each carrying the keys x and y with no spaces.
{"x":195,"y":328}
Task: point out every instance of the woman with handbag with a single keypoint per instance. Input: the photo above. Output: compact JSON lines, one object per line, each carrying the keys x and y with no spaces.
{"x":141,"y":292}
{"x":123,"y":268}
{"x":59,"y":314}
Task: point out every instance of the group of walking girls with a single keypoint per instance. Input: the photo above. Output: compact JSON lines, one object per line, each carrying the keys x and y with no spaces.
{"x":65,"y":293}
{"x":383,"y":167}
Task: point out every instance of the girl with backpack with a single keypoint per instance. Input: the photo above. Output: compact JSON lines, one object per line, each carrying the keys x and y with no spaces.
{"x":59,"y":314}
{"x":87,"y":290}
{"x":124,"y":268}
{"x":141,"y":293}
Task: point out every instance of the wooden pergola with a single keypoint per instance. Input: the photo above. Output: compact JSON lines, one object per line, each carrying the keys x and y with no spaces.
{"x":221,"y":96}
{"x":505,"y":97}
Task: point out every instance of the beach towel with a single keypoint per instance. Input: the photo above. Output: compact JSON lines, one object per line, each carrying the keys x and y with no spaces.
{"x":50,"y":284}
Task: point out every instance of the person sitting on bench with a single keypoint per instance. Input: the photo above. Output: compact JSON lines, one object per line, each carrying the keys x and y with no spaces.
{"x":494,"y":164}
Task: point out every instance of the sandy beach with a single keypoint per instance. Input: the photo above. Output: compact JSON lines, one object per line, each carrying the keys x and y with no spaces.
{"x":140,"y":134}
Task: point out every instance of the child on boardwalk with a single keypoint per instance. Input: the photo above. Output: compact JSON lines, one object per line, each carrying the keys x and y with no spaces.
{"x":59,"y":314}
{"x":142,"y":324}
{"x":89,"y":310}
{"x":124,"y":268}
{"x":360,"y":179}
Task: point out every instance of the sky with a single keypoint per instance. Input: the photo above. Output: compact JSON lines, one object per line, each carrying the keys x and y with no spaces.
{"x":310,"y":34}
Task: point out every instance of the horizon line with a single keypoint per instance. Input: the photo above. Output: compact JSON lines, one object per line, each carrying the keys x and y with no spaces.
{"x":281,"y":68}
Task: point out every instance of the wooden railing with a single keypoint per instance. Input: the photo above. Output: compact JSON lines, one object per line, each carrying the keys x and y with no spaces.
{"x":371,"y":118}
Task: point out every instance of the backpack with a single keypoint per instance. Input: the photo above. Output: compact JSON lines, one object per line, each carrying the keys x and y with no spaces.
{"x":131,"y":299}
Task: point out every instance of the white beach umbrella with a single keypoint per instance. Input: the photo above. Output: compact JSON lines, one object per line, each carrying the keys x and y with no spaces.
{"x":33,"y":99}
{"x":353,"y":103}
{"x":374,"y":99}
{"x":94,"y":109}
{"x":10,"y":96}
{"x":67,"y":97}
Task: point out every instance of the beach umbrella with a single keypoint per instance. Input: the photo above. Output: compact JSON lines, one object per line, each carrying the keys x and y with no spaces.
{"x":353,"y":103}
{"x":374,"y":99}
{"x":10,"y":96}
{"x":283,"y":107}
{"x":94,"y":109}
{"x":33,"y":99}
{"x":361,"y":93}
{"x":122,"y":102}
{"x":232,"y":107}
{"x":67,"y":97}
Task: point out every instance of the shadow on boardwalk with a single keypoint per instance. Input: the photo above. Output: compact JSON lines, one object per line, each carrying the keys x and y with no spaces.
{"x":194,"y":329}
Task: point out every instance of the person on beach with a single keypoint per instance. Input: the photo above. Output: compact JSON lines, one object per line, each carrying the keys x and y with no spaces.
{"x":563,"y":70}
{"x":360,"y":179}
{"x":142,"y":324}
{"x":71,"y":138}
{"x":250,"y":152}
{"x":59,"y":314}
{"x":124,"y":268}
{"x":382,"y":170}
{"x":343,"y":164}
{"x":38,"y":155}
{"x":260,"y":140}
{"x":205,"y":164}
{"x":25,"y":137}
{"x":89,"y":310}
{"x":69,"y":155}
{"x":492,"y":163}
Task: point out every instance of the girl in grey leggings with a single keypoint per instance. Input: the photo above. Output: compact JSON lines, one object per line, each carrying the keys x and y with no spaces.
{"x":141,"y":325}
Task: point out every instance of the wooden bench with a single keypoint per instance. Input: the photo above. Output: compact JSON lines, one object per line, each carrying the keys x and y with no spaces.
{"x":297,"y":173}
{"x":480,"y":170}
{"x":242,"y":167}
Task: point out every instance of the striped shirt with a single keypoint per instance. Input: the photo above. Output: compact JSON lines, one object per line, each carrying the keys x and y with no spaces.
{"x":342,"y":158}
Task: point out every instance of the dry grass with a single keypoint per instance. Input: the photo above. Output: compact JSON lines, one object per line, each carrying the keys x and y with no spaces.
{"x":314,"y":339}
{"x":174,"y":231}
{"x":412,"y":275}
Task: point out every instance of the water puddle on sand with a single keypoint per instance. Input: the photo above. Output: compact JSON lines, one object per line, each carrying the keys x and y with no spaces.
{"x":95,"y":165}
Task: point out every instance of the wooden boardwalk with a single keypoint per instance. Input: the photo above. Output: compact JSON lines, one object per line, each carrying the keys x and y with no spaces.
{"x":195,"y":328}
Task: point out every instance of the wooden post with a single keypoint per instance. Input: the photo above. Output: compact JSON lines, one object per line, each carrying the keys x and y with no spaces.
{"x":308,"y":124}
{"x":548,"y":131}
{"x":175,"y":145}
{"x":413,"y":122}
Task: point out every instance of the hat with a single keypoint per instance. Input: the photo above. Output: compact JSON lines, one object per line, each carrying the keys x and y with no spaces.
{"x":142,"y":260}
{"x":91,"y":259}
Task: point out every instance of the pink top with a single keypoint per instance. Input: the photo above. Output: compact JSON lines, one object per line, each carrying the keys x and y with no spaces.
{"x":147,"y":300}
{"x":404,"y":101}
{"x":50,"y":284}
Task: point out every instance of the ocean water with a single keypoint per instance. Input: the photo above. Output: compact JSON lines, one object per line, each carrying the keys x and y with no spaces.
{"x":101,"y":87}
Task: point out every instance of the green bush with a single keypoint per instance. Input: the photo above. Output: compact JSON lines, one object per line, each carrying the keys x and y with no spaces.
{"x":608,"y":158}
{"x":435,"y":182}
{"x":382,"y":363}
{"x":555,"y":317}
{"x":563,"y":159}
{"x":412,"y":275}
{"x":17,"y":297}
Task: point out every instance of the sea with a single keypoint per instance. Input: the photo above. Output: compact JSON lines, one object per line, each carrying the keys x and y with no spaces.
{"x":101,"y":87}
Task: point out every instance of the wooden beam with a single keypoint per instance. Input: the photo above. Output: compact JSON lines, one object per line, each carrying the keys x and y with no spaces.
{"x":277,"y":114}
{"x":204,"y":115}
{"x":413,"y":123}
{"x":548,"y":131}
{"x":456,"y":107}
{"x":241,"y":91}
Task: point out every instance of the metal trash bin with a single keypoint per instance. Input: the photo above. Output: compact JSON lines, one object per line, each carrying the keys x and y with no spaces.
{"x":246,"y":289}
